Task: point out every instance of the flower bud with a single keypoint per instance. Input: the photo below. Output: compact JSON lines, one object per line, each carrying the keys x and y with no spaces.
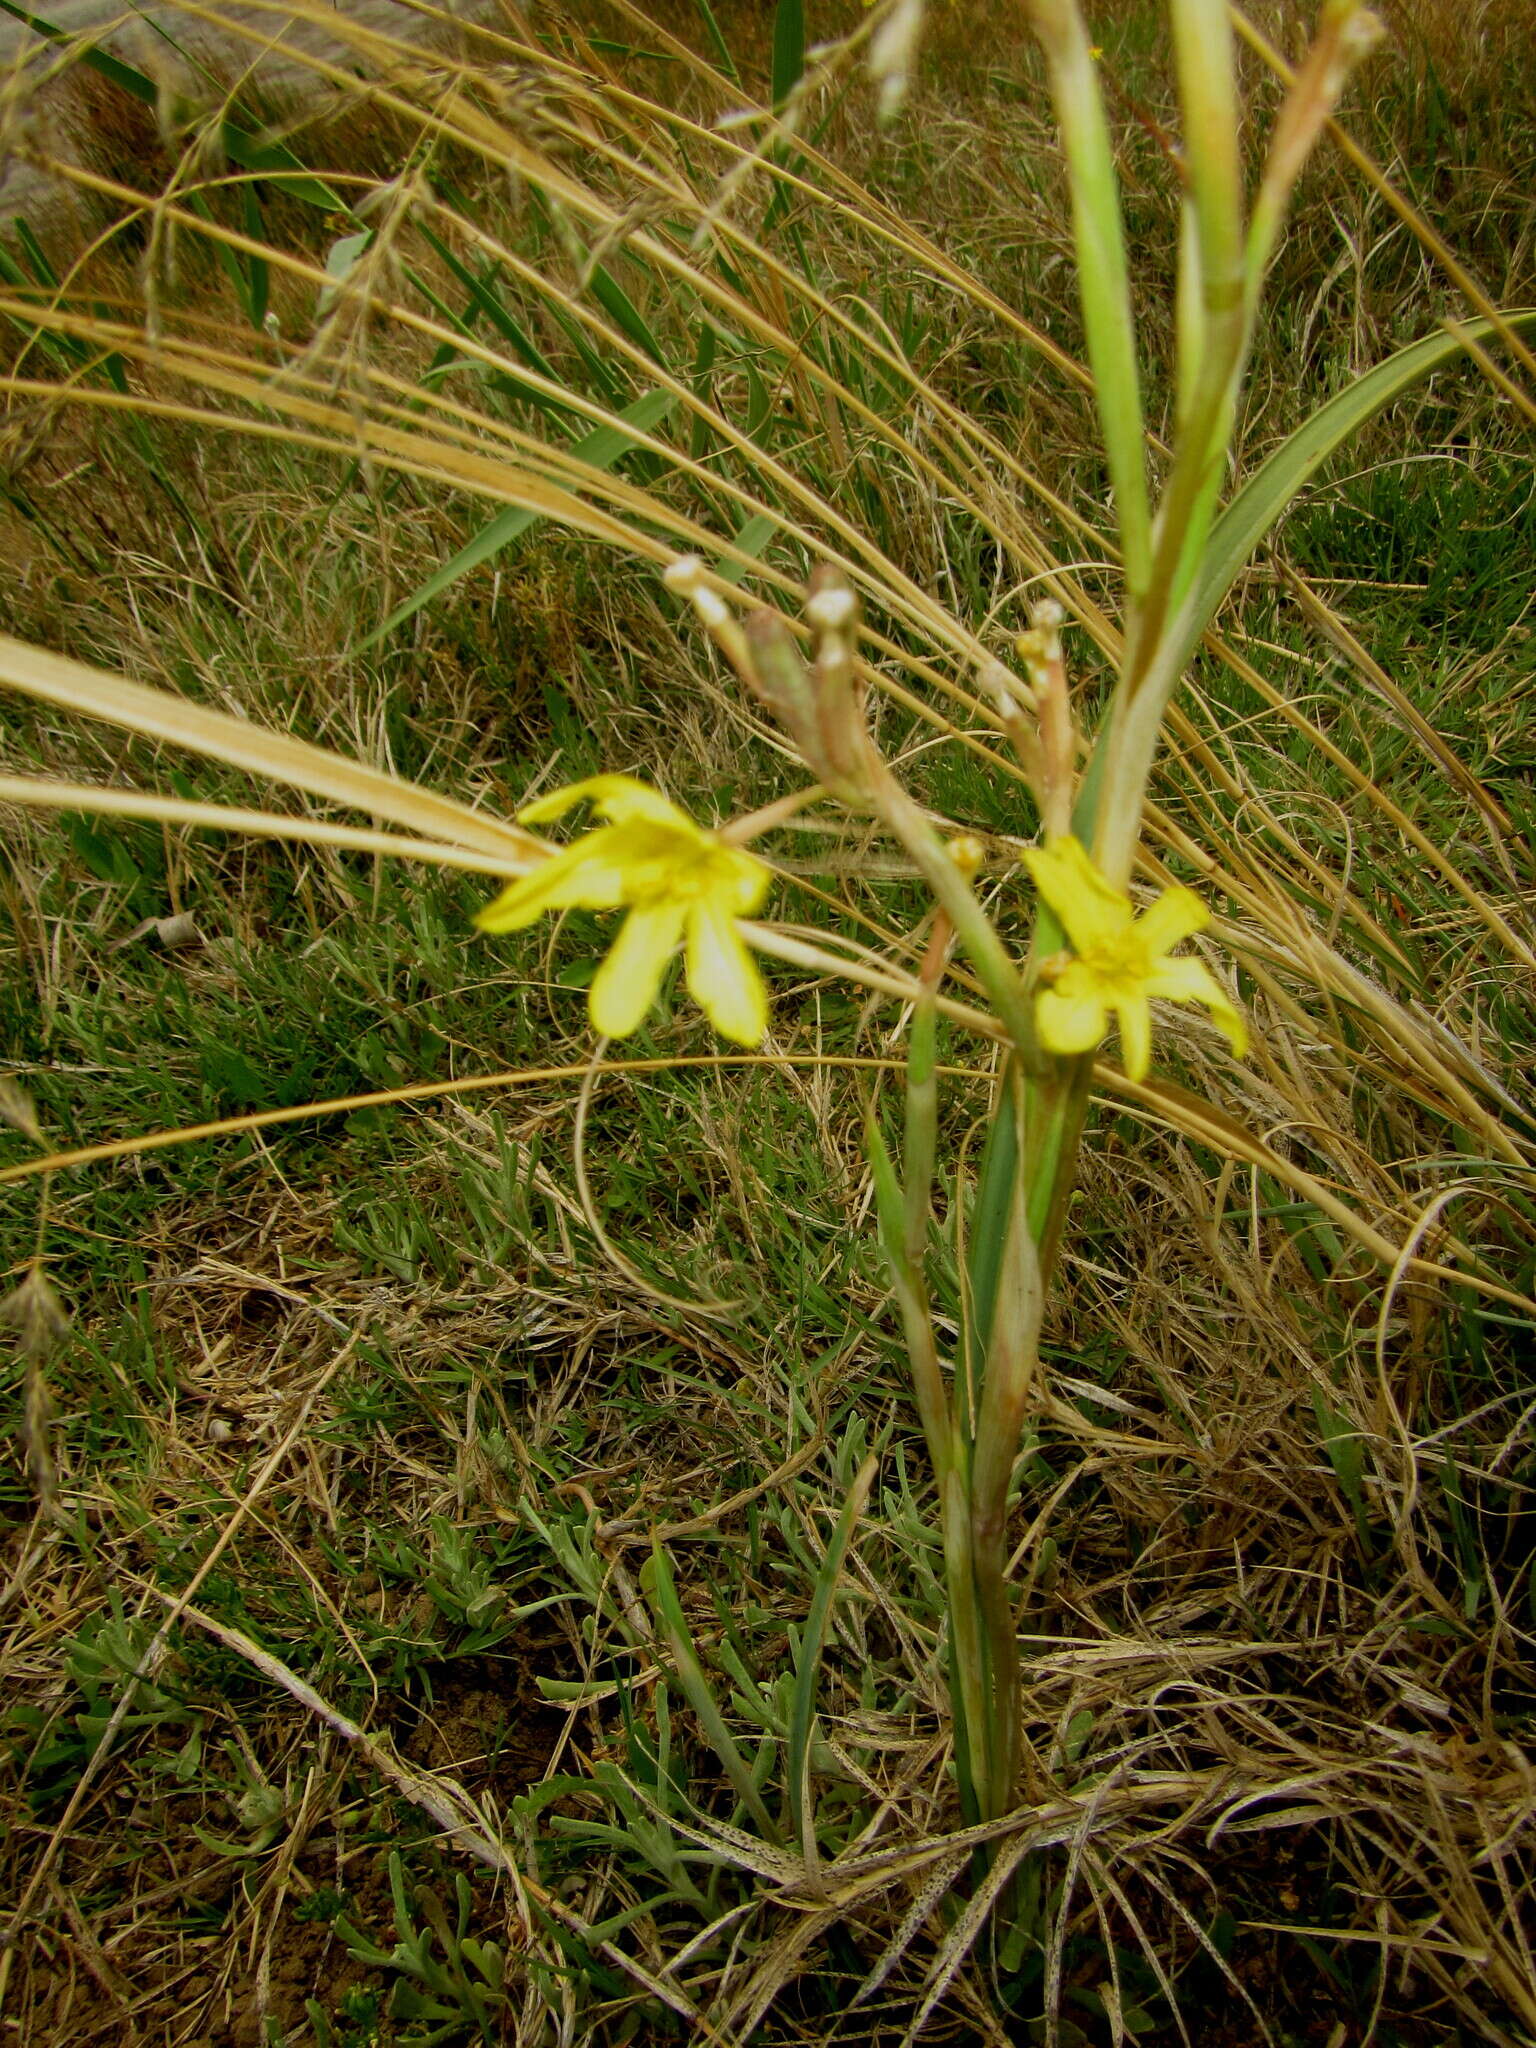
{"x":778,"y":675}
{"x":832,"y":613}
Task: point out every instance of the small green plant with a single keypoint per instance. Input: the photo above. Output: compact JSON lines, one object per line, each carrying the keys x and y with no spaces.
{"x":448,"y":1985}
{"x":103,"y":1662}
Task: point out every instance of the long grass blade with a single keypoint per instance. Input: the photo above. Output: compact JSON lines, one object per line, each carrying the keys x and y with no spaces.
{"x":813,"y":1642}
{"x":788,"y":49}
{"x":243,"y":148}
{"x":132,"y":803}
{"x":278,"y":757}
{"x":1264,"y":498}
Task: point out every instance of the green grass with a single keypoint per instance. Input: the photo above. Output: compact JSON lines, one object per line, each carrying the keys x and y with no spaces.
{"x":1273,"y":1652}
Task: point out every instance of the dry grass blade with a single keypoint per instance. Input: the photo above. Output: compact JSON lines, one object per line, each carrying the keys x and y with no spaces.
{"x":1406,"y":212}
{"x":939,"y":1881}
{"x":130,"y":803}
{"x":1271,"y":1531}
{"x":426,"y":1091}
{"x":276,"y":757}
{"x":454,"y":1812}
{"x":444,"y":1802}
{"x":776,"y":1965}
{"x":970,"y":1924}
{"x":153,"y":1655}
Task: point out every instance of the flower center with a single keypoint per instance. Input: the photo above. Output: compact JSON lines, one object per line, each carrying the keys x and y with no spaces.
{"x":676,"y":868}
{"x":1120,"y":965}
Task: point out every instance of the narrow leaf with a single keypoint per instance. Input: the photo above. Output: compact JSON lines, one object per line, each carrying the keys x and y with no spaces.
{"x":42,"y":269}
{"x":1278,"y":481}
{"x":990,"y":1215}
{"x":600,"y":449}
{"x":890,"y":1203}
{"x":659,"y":1588}
{"x":625,"y":314}
{"x":812,"y":1643}
{"x":341,"y":259}
{"x":241,"y":147}
{"x":750,"y":540}
{"x":134,"y":803}
{"x":158,"y":714}
{"x":962,"y":1937}
{"x":788,"y":49}
{"x":722,"y":48}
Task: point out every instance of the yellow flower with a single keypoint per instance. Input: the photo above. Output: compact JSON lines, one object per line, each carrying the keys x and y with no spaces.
{"x":676,"y":880}
{"x":1121,"y":960}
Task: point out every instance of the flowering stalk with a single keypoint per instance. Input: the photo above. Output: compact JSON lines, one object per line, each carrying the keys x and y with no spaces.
{"x":1221,"y":276}
{"x":1093,"y":960}
{"x":1103,"y":272}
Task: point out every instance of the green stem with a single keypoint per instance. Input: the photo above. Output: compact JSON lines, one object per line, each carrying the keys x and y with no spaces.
{"x":922,"y":1122}
{"x":1013,"y":1364}
{"x":985,"y":950}
{"x":1055,"y":1110}
{"x":927,"y":1377}
{"x":1109,"y":321}
{"x":968,"y":1654}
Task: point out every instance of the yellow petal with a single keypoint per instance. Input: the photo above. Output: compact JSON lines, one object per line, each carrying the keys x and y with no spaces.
{"x":625,"y":986}
{"x":723,"y":975}
{"x":1177,"y":914}
{"x":589,"y":874}
{"x":1191,"y":981}
{"x":1069,"y":1022}
{"x":1135,"y":1036}
{"x":617,"y":797}
{"x":1092,"y":914}
{"x":744,"y":880}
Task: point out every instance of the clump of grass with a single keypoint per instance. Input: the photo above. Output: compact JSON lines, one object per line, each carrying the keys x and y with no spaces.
{"x":1276,"y":1572}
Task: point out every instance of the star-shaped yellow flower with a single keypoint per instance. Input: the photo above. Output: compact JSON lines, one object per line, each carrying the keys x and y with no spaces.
{"x":677,"y":882}
{"x":1121,"y":960}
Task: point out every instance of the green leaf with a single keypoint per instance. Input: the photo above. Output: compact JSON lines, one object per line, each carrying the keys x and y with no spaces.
{"x":722,"y":49}
{"x":625,"y":315}
{"x":105,"y":855}
{"x":1263,"y":501}
{"x":1346,"y":1454}
{"x":788,"y":48}
{"x":660,"y":1589}
{"x":102,"y":62}
{"x":890,"y":1204}
{"x":485,"y":300}
{"x":990,"y":1213}
{"x":600,"y":449}
{"x":42,"y":269}
{"x":1272,"y":488}
{"x":256,"y":266}
{"x":749,"y":539}
{"x":234,"y":1077}
{"x":808,"y":1665}
{"x":341,"y":259}
{"x":759,"y":404}
{"x":272,"y":161}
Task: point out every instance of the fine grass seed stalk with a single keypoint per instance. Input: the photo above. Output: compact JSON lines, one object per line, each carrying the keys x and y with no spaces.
{"x":1109,"y":1087}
